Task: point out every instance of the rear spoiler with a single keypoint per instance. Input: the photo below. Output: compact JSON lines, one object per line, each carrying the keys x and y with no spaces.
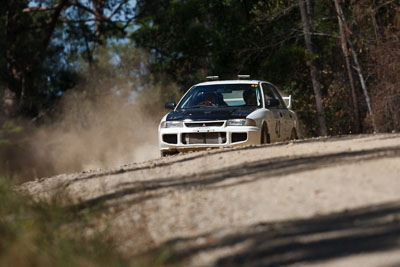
{"x":288,"y":101}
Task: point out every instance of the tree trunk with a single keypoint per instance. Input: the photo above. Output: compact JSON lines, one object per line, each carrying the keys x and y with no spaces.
{"x":363,"y":86}
{"x":305,"y":17}
{"x":11,"y":94}
{"x":9,"y":103}
{"x":358,"y":69}
{"x":356,"y":118}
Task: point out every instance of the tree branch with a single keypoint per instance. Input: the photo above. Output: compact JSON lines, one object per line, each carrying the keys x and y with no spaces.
{"x":64,"y":3}
{"x":97,"y":15}
{"x":79,"y":5}
{"x":53,"y":22}
{"x":84,"y":20}
{"x":40,"y":8}
{"x":118,"y":8}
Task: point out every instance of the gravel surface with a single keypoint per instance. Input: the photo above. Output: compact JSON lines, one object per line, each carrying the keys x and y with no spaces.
{"x":324,"y":201}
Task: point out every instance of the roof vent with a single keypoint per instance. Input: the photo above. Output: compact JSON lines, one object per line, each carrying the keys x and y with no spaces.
{"x":243,"y":77}
{"x":212,"y":78}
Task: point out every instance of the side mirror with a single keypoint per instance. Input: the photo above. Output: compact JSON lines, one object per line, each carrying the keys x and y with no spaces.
{"x":273,"y":103}
{"x":170,"y":105}
{"x":288,"y":101}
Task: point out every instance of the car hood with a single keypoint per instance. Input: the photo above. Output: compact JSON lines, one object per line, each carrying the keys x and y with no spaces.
{"x":209,"y":113}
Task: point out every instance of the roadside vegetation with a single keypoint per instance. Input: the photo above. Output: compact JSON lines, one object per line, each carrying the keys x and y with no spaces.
{"x":46,"y":234}
{"x":50,"y":233}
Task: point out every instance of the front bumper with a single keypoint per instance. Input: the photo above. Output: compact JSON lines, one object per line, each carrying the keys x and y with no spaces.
{"x":197,"y":138}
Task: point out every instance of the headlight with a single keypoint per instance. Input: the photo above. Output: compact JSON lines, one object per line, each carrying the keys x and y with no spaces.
{"x":172,"y":124}
{"x":241,"y":122}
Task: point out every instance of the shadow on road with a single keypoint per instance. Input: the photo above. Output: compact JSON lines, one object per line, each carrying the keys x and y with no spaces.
{"x":174,"y":160}
{"x":362,"y":230}
{"x":136,"y":192}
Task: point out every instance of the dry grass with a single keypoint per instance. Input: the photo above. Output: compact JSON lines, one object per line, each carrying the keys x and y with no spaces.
{"x":37,"y":233}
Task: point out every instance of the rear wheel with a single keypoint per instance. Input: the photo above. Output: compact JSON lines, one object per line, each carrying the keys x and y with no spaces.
{"x":265,"y":138}
{"x":293,"y":135}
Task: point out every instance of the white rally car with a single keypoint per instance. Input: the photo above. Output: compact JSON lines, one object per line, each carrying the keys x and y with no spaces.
{"x":227,"y":113}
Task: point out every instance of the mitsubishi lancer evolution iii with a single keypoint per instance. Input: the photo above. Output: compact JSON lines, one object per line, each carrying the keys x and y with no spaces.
{"x":227,"y":113}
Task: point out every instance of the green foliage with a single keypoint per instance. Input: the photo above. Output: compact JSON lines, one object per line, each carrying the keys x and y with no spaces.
{"x":12,"y":142}
{"x":6,"y":129}
{"x":191,"y":39}
{"x":42,"y":47}
{"x":52,"y":233}
{"x":47,"y":234}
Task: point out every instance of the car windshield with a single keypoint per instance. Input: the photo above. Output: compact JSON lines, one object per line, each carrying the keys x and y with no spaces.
{"x":222,"y":95}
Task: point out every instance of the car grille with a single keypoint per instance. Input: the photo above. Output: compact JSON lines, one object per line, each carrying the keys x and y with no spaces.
{"x":170,"y":138}
{"x":204,"y":124}
{"x":239,"y":137}
{"x":203,"y":138}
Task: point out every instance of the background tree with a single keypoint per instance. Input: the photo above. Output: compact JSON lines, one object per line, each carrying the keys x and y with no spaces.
{"x":376,"y":27}
{"x":37,"y":32}
{"x":305,"y":11}
{"x":345,"y":49}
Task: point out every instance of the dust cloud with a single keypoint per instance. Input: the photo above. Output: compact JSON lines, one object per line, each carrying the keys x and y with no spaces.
{"x":107,"y":120}
{"x":104,"y":132}
{"x":89,"y":129}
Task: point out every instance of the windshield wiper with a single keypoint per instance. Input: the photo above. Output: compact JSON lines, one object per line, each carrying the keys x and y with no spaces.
{"x":206,"y":106}
{"x":197,"y":106}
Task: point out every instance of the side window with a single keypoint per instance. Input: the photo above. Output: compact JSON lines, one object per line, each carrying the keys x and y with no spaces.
{"x":270,"y":92}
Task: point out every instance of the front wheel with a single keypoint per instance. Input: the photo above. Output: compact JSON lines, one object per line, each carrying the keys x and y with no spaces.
{"x":293,"y":135}
{"x":166,"y":153}
{"x":265,"y":137}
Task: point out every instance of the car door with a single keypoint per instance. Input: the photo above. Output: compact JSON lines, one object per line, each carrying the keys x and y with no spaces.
{"x":275,"y":119}
{"x":286,"y":116}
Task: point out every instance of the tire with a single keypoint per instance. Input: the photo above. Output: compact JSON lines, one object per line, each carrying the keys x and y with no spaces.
{"x":293,"y":135}
{"x":168,"y":153}
{"x":265,"y":137}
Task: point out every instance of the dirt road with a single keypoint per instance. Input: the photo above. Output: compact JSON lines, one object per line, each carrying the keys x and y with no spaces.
{"x":326,"y":201}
